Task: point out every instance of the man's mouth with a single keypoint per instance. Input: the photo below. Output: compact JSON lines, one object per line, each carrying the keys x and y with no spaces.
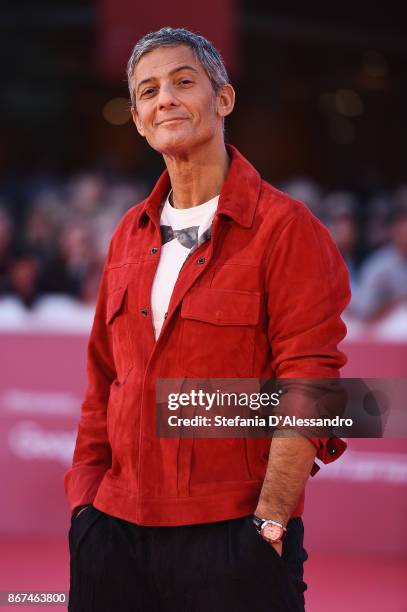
{"x":172,"y":120}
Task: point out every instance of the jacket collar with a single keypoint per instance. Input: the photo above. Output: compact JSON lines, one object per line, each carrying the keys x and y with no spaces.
{"x":238,"y":198}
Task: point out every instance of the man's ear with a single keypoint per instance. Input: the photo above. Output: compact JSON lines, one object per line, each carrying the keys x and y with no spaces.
{"x":225,"y":100}
{"x":137,"y":121}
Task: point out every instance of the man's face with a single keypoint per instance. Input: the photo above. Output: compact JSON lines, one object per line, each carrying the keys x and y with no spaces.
{"x":176,"y":110}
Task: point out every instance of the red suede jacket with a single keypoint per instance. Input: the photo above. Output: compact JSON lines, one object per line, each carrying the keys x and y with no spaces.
{"x":261,"y":298}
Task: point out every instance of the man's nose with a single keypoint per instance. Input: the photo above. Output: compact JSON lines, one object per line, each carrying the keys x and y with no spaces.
{"x":166,"y":97}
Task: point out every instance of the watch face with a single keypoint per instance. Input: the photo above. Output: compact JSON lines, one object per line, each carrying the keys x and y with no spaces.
{"x":273,"y":533}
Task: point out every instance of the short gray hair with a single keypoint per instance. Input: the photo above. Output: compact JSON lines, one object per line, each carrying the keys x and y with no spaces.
{"x":209,"y":57}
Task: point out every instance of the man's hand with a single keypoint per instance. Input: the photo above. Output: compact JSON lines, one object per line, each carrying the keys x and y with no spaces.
{"x":278,"y":547}
{"x":78,"y":512}
{"x":290,"y":462}
{"x":81,"y":510}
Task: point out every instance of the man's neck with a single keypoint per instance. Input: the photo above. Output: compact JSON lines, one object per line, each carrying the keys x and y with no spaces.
{"x":198,"y":178}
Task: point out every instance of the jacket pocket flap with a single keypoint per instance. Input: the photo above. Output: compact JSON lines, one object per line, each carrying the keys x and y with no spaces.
{"x":221,"y":307}
{"x":115,"y":303}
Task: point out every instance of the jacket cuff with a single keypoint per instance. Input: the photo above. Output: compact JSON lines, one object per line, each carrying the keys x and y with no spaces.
{"x":82,"y":483}
{"x":328,"y":449}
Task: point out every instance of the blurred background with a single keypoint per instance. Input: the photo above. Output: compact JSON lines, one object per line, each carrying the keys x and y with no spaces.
{"x":321,"y":112}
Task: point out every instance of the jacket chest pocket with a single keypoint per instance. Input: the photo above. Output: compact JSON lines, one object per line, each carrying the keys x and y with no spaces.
{"x":117,"y":318}
{"x":218,"y":335}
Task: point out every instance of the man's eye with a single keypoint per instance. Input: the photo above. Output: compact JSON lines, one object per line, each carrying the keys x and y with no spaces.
{"x":185,"y":81}
{"x":148,"y":92}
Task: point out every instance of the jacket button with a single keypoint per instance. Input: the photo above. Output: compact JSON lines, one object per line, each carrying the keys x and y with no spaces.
{"x":144,"y":312}
{"x":166,"y":315}
{"x":332,"y":451}
{"x":154,"y":250}
{"x":201,"y":260}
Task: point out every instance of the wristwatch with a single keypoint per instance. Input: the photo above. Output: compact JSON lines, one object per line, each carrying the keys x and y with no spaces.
{"x":275,"y":531}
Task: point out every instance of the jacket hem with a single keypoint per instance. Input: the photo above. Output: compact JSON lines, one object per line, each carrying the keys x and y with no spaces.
{"x":225,"y":505}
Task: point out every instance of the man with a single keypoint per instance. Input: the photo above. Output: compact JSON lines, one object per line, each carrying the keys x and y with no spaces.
{"x":216,"y":274}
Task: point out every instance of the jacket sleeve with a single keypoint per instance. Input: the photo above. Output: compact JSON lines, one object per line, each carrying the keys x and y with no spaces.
{"x":92,"y":454}
{"x":307,"y":290}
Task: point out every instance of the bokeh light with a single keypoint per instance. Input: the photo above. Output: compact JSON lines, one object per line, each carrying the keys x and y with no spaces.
{"x":117,"y":111}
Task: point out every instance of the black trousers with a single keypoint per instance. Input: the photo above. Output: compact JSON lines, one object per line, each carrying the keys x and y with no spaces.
{"x":117,"y":566}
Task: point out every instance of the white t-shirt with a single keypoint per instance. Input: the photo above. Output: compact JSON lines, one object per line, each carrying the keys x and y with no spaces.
{"x":181,"y":229}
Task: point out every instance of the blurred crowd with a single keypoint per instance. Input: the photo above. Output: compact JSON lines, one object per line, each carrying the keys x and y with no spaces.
{"x":57,"y":243}
{"x":54,"y":242}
